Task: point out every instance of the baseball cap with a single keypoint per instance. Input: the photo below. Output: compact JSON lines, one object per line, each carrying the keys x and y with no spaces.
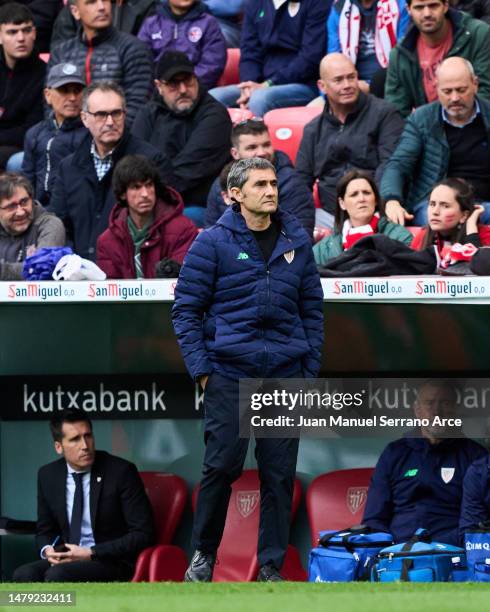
{"x":173,"y":62}
{"x":61,"y":74}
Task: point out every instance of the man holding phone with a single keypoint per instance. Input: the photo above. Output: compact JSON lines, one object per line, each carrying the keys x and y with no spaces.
{"x":94,"y":517}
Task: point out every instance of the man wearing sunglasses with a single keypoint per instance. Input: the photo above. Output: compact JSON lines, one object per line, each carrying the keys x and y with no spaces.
{"x":190,"y":128}
{"x":82,"y":195}
{"x":24,"y":225}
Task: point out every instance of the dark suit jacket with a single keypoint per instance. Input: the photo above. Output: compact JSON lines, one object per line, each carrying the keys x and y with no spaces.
{"x":121,"y":515}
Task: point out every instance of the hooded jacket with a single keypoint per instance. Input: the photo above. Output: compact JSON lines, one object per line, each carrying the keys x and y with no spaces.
{"x":46,"y":144}
{"x":46,"y":230}
{"x":197,"y":34}
{"x":82,"y":201}
{"x":471,"y":40}
{"x":294,"y":196}
{"x":238,"y":315}
{"x":169,"y":237}
{"x":21,"y":98}
{"x":195,"y":146}
{"x":330,"y":148}
{"x":111,"y":55}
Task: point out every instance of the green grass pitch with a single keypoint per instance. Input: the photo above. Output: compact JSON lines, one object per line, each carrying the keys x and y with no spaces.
{"x":253,"y":597}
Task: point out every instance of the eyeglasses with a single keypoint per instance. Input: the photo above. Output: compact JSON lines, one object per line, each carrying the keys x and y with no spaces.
{"x":102,"y":116}
{"x":12,"y":207}
{"x":174,"y":84}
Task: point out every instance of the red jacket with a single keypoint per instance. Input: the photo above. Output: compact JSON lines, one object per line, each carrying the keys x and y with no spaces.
{"x":483,"y":232}
{"x":170,"y":236}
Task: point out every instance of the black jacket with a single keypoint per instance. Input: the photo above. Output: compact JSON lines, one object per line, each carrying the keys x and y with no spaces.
{"x":196,"y":146}
{"x":82,"y":201}
{"x":127,"y":16}
{"x":44,"y":13}
{"x":294,"y":196}
{"x":329,"y":148}
{"x":120,"y":512}
{"x":45,"y":146}
{"x":21,"y":98}
{"x":115,"y":56}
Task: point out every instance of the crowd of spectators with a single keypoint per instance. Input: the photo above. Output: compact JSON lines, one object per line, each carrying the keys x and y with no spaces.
{"x":139,"y":78}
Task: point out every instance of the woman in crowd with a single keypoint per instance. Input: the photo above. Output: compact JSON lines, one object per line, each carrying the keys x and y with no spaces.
{"x":359,"y":213}
{"x":453,"y":217}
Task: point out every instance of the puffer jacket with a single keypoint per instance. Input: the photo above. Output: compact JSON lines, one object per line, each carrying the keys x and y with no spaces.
{"x":422,"y":156}
{"x":331,"y":246}
{"x":111,"y":55}
{"x":294,"y":196}
{"x":169,"y":237}
{"x":46,"y":230}
{"x":197,"y":34}
{"x":241,"y":316}
{"x":471,"y":40}
{"x":475,"y":507}
{"x":45,"y":146}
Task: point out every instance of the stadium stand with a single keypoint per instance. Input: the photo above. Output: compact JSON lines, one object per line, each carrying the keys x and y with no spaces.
{"x":286,"y":126}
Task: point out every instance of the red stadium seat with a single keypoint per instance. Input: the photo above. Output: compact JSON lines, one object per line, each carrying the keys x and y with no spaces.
{"x":286,"y":126}
{"x":231,"y":74}
{"x":319,"y":233}
{"x":237,"y":554}
{"x":239,"y":114}
{"x":413,"y":229}
{"x":336,"y":500}
{"x":167,"y":494}
{"x":44,"y":57}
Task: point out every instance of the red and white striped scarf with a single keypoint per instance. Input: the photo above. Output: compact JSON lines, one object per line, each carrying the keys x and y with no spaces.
{"x":350,"y":235}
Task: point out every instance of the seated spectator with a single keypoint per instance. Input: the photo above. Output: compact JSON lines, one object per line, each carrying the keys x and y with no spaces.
{"x":22,"y":76}
{"x":479,"y":9}
{"x":146,"y":225}
{"x":251,"y":139}
{"x":281,"y":47}
{"x":450,"y":137}
{"x":127,"y":16}
{"x":475,"y":508}
{"x":44,"y":13}
{"x":183,"y":25}
{"x":48,"y":142}
{"x":229,"y":16}
{"x":437,"y":32}
{"x":24,"y":225}
{"x":453,"y":217}
{"x":93,"y":515}
{"x":104,"y":53}
{"x":189,"y":128}
{"x":359,"y":213}
{"x":355,"y":130}
{"x":418,"y":481}
{"x":366,"y":31}
{"x":82,"y":195}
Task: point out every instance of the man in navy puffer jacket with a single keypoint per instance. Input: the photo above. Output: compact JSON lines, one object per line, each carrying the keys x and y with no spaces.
{"x":248,"y":304}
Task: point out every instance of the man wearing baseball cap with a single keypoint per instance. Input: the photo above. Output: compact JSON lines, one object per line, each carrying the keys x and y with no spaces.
{"x":51,"y":140}
{"x":190,"y":129}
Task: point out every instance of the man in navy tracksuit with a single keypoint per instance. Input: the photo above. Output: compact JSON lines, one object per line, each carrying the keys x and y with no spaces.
{"x":475,"y":508}
{"x":248,"y":304}
{"x":418,"y":482}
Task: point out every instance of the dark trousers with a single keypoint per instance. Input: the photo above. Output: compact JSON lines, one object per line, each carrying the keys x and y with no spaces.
{"x":77,"y":571}
{"x":223,"y":464}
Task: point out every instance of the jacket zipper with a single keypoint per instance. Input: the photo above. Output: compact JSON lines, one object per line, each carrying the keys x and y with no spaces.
{"x":88,"y":59}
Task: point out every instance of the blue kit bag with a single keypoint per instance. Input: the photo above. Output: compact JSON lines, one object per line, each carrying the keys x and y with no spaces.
{"x":477,"y":545}
{"x":347,"y":555}
{"x":418,"y":560}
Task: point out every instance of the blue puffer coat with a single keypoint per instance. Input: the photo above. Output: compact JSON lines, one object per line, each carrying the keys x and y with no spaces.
{"x":475,"y":508}
{"x":242,"y":317}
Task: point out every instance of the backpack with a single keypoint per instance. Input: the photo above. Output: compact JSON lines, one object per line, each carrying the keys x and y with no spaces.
{"x":418,"y":560}
{"x":477,"y":545}
{"x":347,"y":555}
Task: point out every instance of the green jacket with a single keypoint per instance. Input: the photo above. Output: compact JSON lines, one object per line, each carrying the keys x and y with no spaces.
{"x":421,"y":158}
{"x":471,"y":40}
{"x":331,"y":246}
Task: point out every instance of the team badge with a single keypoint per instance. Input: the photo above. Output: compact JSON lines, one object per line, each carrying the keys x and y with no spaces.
{"x":69,"y":69}
{"x":356,"y":498}
{"x":293,"y":8}
{"x":195,"y":34}
{"x":447,"y":474}
{"x":289,"y":256}
{"x":246,"y":502}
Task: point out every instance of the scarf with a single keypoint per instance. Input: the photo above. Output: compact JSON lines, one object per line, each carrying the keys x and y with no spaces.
{"x":387,"y":17}
{"x":350,"y":235}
